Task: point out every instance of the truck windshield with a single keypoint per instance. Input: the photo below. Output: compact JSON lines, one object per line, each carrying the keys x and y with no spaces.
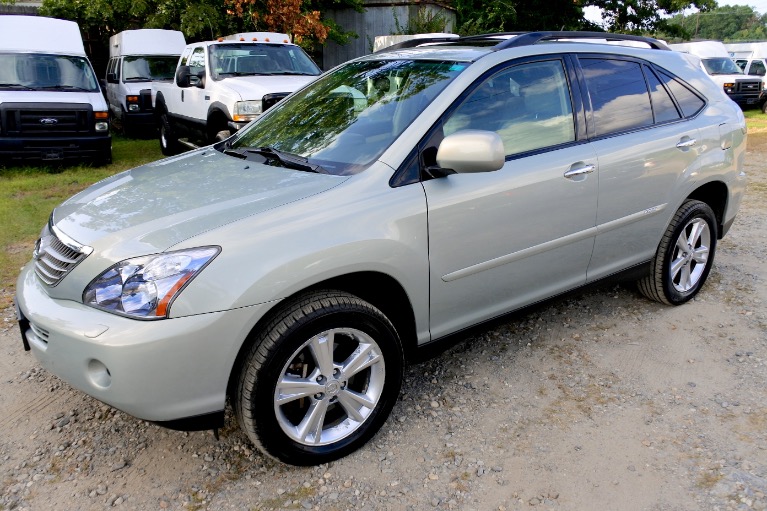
{"x":147,"y":68}
{"x":345,"y":120}
{"x":249,"y":59}
{"x":36,"y":71}
{"x":721,"y":66}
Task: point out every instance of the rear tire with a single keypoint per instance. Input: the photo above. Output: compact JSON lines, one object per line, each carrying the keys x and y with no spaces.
{"x":684,"y":257}
{"x":320,"y":379}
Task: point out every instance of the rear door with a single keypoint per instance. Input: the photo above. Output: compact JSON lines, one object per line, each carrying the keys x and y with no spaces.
{"x":646,"y":150}
{"x":501,"y":240}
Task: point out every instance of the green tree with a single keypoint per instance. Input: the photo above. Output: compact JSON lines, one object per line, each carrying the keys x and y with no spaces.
{"x":643,"y":16}
{"x":725,"y":23}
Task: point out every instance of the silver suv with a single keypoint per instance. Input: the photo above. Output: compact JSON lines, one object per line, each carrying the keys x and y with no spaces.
{"x":400,"y":198}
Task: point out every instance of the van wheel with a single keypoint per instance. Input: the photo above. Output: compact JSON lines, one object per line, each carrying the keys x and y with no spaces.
{"x":320,"y":380}
{"x":684,"y":257}
{"x":168,"y":141}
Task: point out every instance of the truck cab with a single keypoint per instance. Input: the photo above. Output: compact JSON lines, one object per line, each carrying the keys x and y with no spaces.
{"x":751,"y":58}
{"x":136,"y":59}
{"x":51,"y":105}
{"x":220,"y":86}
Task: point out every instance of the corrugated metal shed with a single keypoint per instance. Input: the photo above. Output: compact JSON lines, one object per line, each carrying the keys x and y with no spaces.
{"x":378,"y":19}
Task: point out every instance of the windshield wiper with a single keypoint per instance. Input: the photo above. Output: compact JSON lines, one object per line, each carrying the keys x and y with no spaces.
{"x":291,"y":161}
{"x":15,"y":86}
{"x":64,"y":87}
{"x":139,"y":79}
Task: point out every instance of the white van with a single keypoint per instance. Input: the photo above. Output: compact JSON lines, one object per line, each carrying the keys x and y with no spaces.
{"x":715,"y":60}
{"x":51,"y":105}
{"x":137,"y":58}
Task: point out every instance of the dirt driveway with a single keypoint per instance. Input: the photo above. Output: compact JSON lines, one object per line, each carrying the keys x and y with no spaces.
{"x":598,"y":401}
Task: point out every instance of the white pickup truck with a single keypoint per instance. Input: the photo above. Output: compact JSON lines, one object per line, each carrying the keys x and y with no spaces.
{"x":222,"y":85}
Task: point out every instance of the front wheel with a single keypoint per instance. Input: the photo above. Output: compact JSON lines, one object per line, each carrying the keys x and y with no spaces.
{"x":320,"y":380}
{"x":168,"y":140}
{"x":684,"y":257}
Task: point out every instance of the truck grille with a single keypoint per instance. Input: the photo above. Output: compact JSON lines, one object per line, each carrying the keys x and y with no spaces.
{"x":45,"y":119}
{"x":269,"y":100}
{"x":746,"y":86}
{"x":55,"y":258}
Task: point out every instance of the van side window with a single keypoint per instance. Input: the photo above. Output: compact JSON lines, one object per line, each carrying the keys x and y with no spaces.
{"x":663,"y":107}
{"x":688,"y":101}
{"x":619,"y":96}
{"x":528,"y":105}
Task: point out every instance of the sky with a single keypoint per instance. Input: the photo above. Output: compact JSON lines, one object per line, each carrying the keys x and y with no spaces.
{"x":760,"y":6}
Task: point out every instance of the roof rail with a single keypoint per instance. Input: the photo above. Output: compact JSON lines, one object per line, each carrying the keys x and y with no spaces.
{"x":529,"y":38}
{"x":515,"y":39}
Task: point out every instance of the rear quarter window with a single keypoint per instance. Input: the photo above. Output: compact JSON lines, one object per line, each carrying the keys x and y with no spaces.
{"x":688,"y":101}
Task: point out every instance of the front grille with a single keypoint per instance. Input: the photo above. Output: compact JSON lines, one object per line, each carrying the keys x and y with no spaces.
{"x":744,"y":86}
{"x":269,"y":100}
{"x":54,"y":258}
{"x":45,"y":120}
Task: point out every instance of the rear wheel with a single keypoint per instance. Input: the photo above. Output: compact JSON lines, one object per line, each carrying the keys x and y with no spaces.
{"x":684,"y":257}
{"x":320,"y":380}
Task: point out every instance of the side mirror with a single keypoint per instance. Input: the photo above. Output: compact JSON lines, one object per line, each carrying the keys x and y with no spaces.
{"x":111,"y":78}
{"x":471,"y":151}
{"x":183,"y":75}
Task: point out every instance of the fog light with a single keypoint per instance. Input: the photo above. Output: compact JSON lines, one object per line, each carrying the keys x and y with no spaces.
{"x":98,"y":374}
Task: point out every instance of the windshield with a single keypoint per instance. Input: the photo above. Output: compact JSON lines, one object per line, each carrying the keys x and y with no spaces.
{"x":721,"y":66}
{"x":249,"y":59}
{"x":346,"y":119}
{"x":36,"y":71}
{"x":148,"y":68}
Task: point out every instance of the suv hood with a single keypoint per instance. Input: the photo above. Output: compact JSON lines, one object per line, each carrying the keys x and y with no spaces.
{"x":151,"y":208}
{"x":254,"y":87}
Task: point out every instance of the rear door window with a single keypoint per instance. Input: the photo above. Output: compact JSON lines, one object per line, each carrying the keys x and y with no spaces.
{"x":619,"y":97}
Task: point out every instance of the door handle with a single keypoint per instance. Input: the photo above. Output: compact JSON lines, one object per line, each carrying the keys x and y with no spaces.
{"x":687,"y":143}
{"x":580,"y":171}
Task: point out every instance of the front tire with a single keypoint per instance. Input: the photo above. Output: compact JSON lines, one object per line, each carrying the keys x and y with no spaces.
{"x":168,"y":141}
{"x":684,"y":257}
{"x":320,"y":380}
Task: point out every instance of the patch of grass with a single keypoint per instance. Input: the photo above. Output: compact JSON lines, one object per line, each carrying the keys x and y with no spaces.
{"x":756,"y":120}
{"x":28,"y":194}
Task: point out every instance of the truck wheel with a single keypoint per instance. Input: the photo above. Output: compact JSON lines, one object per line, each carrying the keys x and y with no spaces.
{"x":320,"y":379}
{"x":764,"y":107}
{"x":684,"y":257}
{"x":168,"y":141}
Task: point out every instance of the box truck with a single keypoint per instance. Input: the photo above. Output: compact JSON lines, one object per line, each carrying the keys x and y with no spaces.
{"x":51,"y":105}
{"x":136,"y":59}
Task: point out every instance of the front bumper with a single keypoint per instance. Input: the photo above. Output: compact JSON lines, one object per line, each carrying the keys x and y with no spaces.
{"x":56,"y":148}
{"x":165,"y":370}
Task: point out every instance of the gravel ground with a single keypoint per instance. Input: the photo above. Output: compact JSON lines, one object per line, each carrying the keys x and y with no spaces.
{"x":599,"y":400}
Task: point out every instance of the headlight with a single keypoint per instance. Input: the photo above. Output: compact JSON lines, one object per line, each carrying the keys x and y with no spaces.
{"x":245,"y":111}
{"x":145,"y":287}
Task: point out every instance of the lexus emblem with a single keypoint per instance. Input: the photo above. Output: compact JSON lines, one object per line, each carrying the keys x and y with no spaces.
{"x":48,"y":121}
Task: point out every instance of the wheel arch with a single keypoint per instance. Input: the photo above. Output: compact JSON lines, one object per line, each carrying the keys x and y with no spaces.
{"x":378,"y":289}
{"x":218,"y":119}
{"x":715,"y":195}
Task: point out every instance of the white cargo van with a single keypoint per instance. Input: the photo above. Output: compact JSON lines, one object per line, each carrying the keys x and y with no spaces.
{"x":137,"y":58}
{"x":51,"y":105}
{"x":715,"y":60}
